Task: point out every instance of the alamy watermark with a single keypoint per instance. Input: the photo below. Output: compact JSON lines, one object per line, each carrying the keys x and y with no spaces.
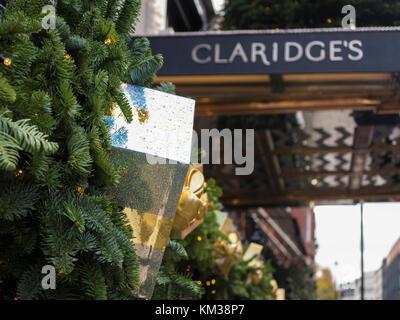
{"x":49,"y":280}
{"x":349,"y":20}
{"x":238,"y":149}
{"x":49,"y":20}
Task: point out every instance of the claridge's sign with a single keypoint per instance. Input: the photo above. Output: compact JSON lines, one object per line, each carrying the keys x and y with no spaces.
{"x":266,"y":52}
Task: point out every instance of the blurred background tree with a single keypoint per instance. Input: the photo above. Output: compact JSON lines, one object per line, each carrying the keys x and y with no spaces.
{"x":285,"y":14}
{"x":326,"y":287}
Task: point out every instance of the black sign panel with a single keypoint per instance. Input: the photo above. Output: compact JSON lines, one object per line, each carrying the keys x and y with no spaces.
{"x":266,"y":52}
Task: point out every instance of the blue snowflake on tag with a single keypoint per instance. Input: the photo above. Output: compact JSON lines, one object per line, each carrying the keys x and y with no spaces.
{"x":109,"y":121}
{"x":119,"y":137}
{"x":136,"y":93}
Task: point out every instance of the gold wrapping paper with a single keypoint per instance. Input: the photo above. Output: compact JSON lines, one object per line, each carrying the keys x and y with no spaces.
{"x":149,"y":229}
{"x":274,"y":285}
{"x":149,"y":194}
{"x":233,"y":251}
{"x":258,"y":275}
{"x":278,"y":293}
{"x":254,"y":250}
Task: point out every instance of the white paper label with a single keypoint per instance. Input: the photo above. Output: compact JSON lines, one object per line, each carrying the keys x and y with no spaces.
{"x":162,"y":124}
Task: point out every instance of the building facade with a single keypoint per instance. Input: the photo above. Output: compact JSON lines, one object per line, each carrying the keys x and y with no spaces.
{"x":305,"y":219}
{"x":382,"y":284}
{"x":373,"y":287}
{"x":169,"y":16}
{"x":391,"y":274}
{"x":347,"y":291}
{"x":153,"y":17}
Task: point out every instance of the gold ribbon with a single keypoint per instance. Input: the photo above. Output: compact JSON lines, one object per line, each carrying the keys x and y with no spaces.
{"x":257,"y":276}
{"x":274,"y":285}
{"x":232,"y":251}
{"x":193,"y":203}
{"x":254,"y":250}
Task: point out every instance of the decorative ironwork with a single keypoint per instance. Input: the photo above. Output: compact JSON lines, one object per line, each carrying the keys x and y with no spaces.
{"x":318,"y":163}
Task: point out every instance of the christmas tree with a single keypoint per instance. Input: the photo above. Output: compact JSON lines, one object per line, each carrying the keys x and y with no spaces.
{"x":56,"y":86}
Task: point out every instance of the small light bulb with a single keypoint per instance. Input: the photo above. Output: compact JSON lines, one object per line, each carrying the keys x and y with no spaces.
{"x":7,"y":61}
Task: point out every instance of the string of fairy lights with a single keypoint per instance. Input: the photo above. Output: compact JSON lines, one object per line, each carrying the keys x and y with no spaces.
{"x":7,"y":61}
{"x":4,"y":60}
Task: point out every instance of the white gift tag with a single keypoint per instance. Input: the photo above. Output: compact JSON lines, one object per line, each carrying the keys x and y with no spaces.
{"x":162,"y":124}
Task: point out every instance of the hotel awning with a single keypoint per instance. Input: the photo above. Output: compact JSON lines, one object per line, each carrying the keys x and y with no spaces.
{"x":344,"y":84}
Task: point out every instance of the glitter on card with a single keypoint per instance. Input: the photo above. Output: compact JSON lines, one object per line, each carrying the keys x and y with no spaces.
{"x":162,"y":124}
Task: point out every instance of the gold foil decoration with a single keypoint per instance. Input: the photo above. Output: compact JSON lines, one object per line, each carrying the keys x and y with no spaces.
{"x":254,"y":250}
{"x":278,"y":293}
{"x":227,"y":225}
{"x":193,"y":203}
{"x":232,"y":251}
{"x":258,"y":275}
{"x":143,"y":115}
{"x":274,"y":285}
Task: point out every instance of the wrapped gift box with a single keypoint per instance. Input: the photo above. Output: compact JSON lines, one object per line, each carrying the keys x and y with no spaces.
{"x":232,"y":250}
{"x":254,"y":252}
{"x":225,"y":223}
{"x":278,"y":293}
{"x":152,"y":154}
